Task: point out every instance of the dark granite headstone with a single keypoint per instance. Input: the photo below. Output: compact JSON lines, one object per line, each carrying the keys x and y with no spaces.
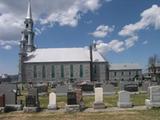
{"x":71,"y":98}
{"x":2,"y":100}
{"x":87,"y":88}
{"x":131,"y":87}
{"x":32,"y":98}
{"x":31,"y":101}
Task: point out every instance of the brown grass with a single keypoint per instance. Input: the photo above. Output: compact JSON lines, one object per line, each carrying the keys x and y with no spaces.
{"x":121,"y":115}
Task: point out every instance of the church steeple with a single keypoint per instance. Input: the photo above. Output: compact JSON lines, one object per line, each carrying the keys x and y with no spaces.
{"x":28,"y":31}
{"x":29,"y":12}
{"x":27,"y":41}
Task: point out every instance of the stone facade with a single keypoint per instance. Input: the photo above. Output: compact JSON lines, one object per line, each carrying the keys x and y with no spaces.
{"x":124,"y":74}
{"x":98,"y":74}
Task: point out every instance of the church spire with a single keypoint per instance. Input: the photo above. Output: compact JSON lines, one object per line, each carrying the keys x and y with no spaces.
{"x":29,"y":12}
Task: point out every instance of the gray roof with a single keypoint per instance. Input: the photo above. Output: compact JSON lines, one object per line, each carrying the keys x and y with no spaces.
{"x":124,"y":66}
{"x":63,"y":55}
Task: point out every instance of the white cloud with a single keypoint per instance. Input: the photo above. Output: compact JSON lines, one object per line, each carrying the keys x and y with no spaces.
{"x":45,"y":13}
{"x":114,"y":45}
{"x":149,"y":17}
{"x":7,"y":47}
{"x":131,"y":41}
{"x":102,"y":31}
{"x":4,"y":44}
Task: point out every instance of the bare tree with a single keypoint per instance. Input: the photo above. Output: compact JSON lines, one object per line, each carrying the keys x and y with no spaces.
{"x":152,"y":61}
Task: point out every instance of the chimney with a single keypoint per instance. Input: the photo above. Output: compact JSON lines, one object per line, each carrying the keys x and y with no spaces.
{"x":91,"y":63}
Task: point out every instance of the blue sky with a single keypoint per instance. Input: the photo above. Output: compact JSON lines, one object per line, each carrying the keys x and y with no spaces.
{"x":81,"y":28}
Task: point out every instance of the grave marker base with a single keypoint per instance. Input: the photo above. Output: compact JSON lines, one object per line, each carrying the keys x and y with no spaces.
{"x":125,"y":104}
{"x":150,"y":104}
{"x":52,"y":107}
{"x":72,"y":108}
{"x":31,"y":109}
{"x":99,"y":105}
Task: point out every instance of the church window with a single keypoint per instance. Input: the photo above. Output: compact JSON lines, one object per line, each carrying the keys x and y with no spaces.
{"x":81,"y":70}
{"x":62,"y":71}
{"x":53,"y":71}
{"x":115,"y":73}
{"x":43,"y":71}
{"x":71,"y":70}
{"x":26,"y":25}
{"x":122,"y":73}
{"x":35,"y":71}
{"x":95,"y":69}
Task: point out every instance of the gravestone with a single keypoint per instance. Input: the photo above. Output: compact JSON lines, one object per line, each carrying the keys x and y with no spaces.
{"x":130,"y":86}
{"x":124,"y":100}
{"x":61,"y":90}
{"x":79,"y":98}
{"x":9,"y":90}
{"x":87,"y":87}
{"x":145,"y":86}
{"x":42,"y":89}
{"x":108,"y":89}
{"x":71,"y":98}
{"x":52,"y":101}
{"x":72,"y":105}
{"x":32,"y":101}
{"x":2,"y":100}
{"x":154,"y":97}
{"x":98,"y":104}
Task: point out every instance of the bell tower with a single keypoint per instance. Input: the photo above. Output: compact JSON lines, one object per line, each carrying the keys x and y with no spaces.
{"x":28,"y":32}
{"x":26,"y":42}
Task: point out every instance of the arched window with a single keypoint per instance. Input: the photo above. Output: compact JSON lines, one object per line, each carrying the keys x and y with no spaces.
{"x":71,"y":70}
{"x":43,"y":71}
{"x":35,"y":71}
{"x":62,"y":71}
{"x":81,"y":71}
{"x":53,"y":71}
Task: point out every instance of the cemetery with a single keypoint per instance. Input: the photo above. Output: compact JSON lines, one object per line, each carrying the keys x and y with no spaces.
{"x":77,"y":102}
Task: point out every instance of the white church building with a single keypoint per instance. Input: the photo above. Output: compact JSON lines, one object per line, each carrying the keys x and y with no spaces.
{"x":58,"y":64}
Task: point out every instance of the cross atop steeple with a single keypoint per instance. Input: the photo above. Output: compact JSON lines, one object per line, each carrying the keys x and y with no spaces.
{"x":29,"y":12}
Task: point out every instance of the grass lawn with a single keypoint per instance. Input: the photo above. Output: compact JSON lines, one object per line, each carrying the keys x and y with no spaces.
{"x":110,"y":101}
{"x":121,"y":115}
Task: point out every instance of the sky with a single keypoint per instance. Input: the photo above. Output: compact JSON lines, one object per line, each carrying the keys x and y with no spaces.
{"x":125,"y":31}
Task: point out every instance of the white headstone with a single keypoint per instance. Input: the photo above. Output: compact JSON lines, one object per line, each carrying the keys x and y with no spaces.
{"x":98,"y":95}
{"x":124,"y":99}
{"x":124,"y":96}
{"x":155,"y":93}
{"x":154,"y":100}
{"x":52,"y":101}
